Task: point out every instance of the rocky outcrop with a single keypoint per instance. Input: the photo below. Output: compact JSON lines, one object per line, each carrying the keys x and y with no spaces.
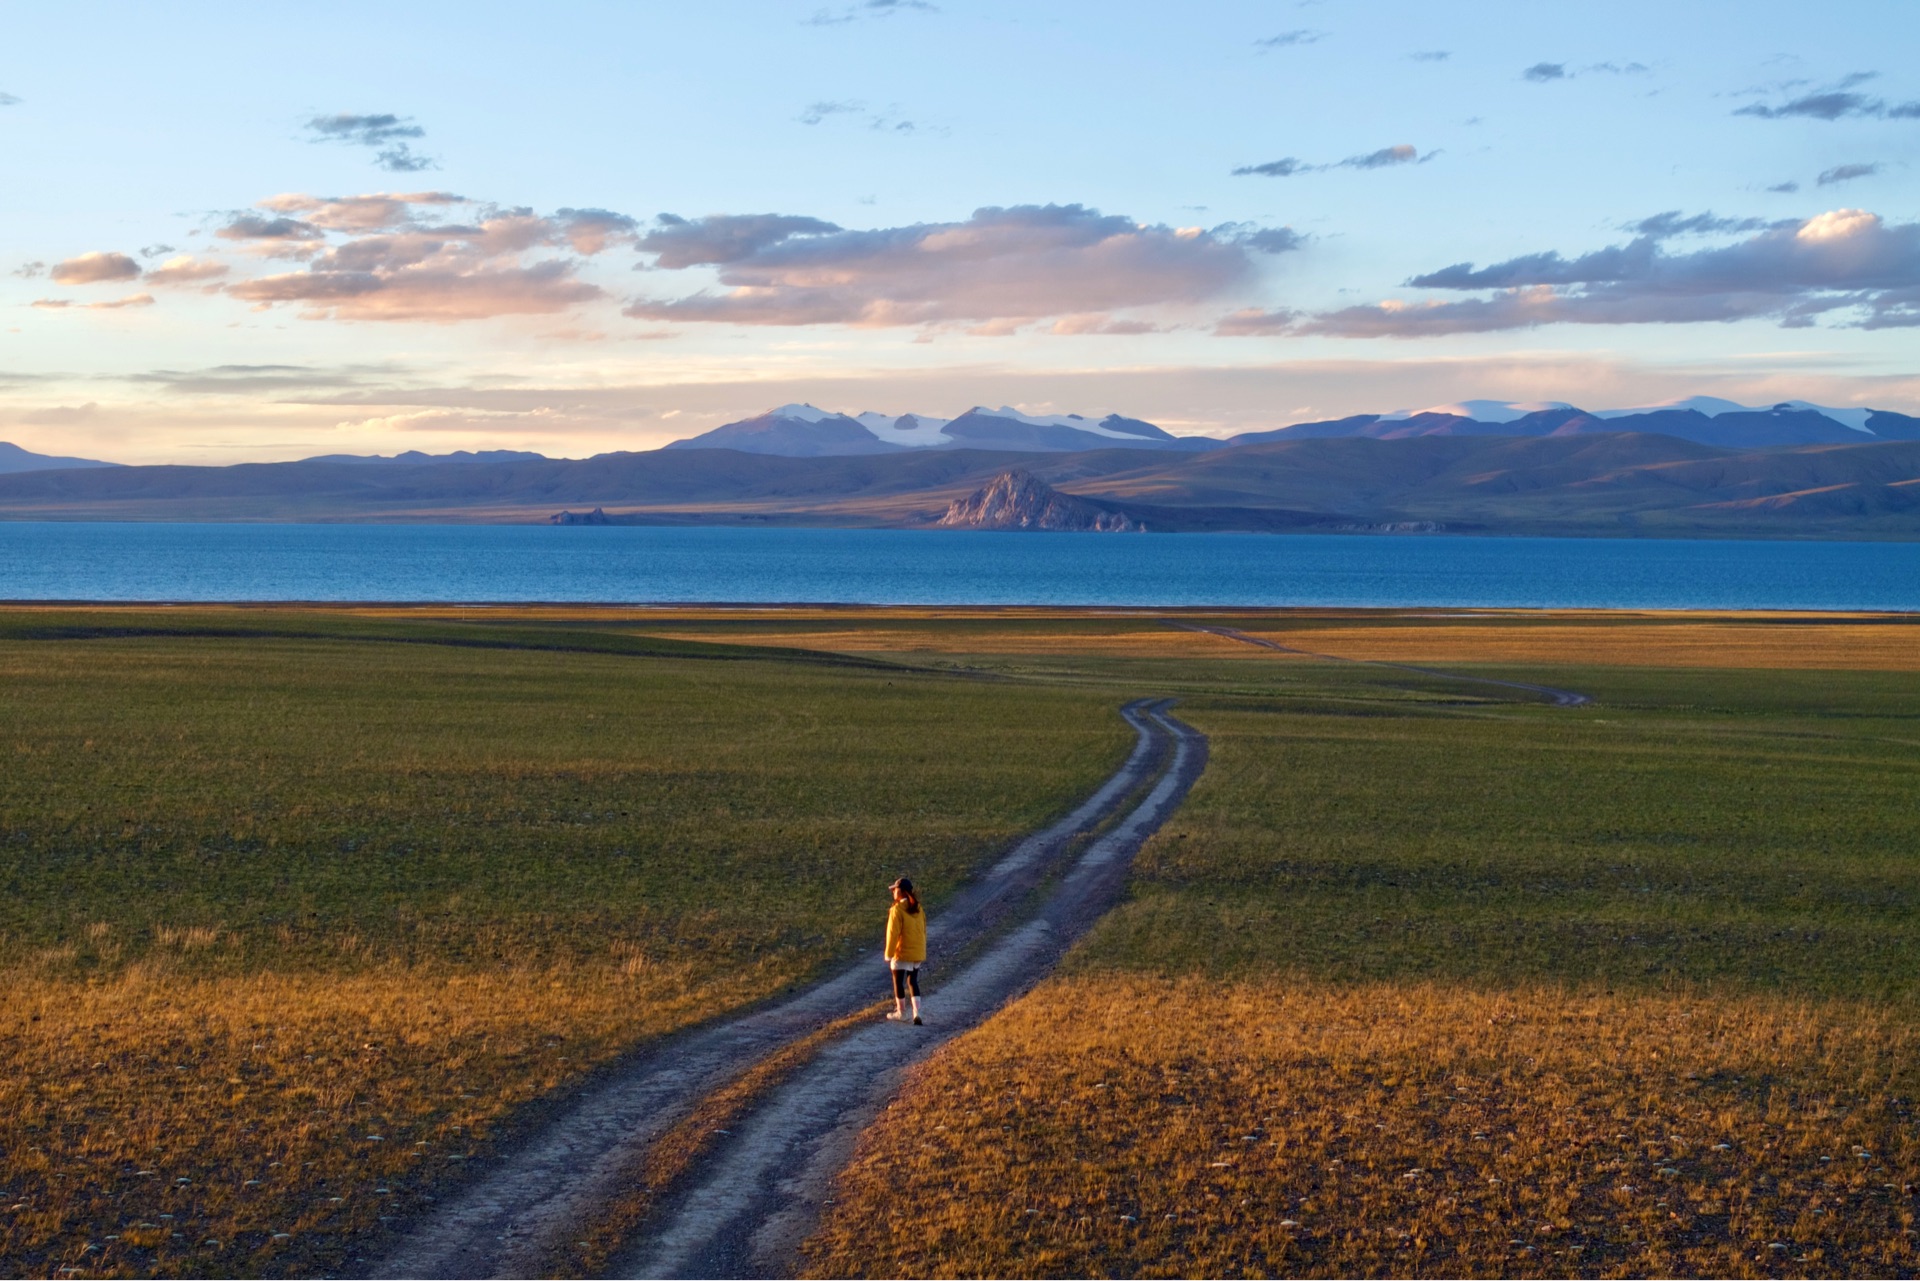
{"x":594,"y":517}
{"x":1017,"y":500}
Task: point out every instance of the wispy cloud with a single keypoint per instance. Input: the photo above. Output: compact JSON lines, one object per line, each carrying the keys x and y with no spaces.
{"x":1674,"y":223}
{"x":888,"y":121}
{"x":1291,"y":39}
{"x":62,"y":304}
{"x":1846,"y":173}
{"x":94,"y":268}
{"x":1838,"y":101}
{"x":1431,"y":55}
{"x":868,"y":9}
{"x":388,"y":134}
{"x":8,"y":100}
{"x":1548,"y":72}
{"x":28,"y":270}
{"x":1002,"y":267}
{"x":1384,"y":158}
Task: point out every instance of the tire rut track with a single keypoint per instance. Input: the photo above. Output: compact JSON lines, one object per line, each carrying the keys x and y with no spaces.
{"x":748,"y":1203}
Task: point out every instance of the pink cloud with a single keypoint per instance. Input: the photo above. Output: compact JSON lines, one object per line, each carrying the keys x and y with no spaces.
{"x":94,"y":268}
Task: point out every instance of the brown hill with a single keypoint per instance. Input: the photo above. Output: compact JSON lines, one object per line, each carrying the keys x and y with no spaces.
{"x":1610,"y":483}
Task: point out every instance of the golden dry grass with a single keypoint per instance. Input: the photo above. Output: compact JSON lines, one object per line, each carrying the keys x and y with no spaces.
{"x":159,"y":1123}
{"x":1139,"y":1126}
{"x":1786,"y":644}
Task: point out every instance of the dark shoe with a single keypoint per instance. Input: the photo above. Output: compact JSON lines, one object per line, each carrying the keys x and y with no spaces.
{"x":916,"y":1020}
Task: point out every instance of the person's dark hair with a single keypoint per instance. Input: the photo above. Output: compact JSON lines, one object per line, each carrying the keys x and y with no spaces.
{"x":905,"y":887}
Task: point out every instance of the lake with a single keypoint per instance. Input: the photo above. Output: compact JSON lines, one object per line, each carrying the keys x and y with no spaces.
{"x":654,"y":564}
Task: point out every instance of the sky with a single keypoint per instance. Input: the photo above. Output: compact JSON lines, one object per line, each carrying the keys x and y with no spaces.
{"x":246,"y":232}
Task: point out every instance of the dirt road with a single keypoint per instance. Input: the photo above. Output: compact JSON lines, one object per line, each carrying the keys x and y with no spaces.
{"x":750,"y":1200}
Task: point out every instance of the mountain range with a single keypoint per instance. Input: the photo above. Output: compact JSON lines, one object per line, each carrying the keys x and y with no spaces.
{"x":803,"y":431}
{"x":1614,"y":484}
{"x":1691,"y":469}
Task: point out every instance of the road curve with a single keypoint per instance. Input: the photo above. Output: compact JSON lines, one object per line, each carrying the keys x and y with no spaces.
{"x":1558,"y":697}
{"x":752,"y":1199}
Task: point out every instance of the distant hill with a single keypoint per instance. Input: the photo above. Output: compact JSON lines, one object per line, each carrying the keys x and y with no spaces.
{"x":1584,"y":483}
{"x":15,"y":459}
{"x":413,"y":457}
{"x":1785,"y":424}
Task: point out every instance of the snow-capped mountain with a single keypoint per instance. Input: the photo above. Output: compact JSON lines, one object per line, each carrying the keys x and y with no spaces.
{"x":809,"y":431}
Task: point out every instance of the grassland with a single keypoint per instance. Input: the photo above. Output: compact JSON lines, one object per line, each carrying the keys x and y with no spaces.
{"x":301,"y":908}
{"x":1420,"y":983}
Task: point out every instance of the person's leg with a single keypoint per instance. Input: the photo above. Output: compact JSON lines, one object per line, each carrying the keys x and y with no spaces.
{"x":899,"y":994}
{"x":913,"y":985}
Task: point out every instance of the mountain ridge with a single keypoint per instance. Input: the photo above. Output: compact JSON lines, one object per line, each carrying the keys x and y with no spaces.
{"x":1613,"y":484}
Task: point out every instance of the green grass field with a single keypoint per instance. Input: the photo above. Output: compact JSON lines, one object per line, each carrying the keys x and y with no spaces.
{"x":1422,"y":984}
{"x":305,"y":910}
{"x":272,"y":883}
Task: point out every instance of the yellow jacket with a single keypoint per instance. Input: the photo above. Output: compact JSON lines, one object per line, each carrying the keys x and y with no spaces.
{"x":906,"y":935}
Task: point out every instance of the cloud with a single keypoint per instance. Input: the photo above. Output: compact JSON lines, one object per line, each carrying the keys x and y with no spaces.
{"x":1001,"y":266}
{"x":374,"y":211}
{"x":867,"y":9}
{"x":592,"y":231}
{"x":1288,"y":39}
{"x":818,"y":111}
{"x":251,"y":226}
{"x":1548,"y":72}
{"x":888,"y":121}
{"x":1431,"y":55}
{"x":28,"y":270}
{"x":154,"y":251}
{"x":724,"y":238}
{"x":1385,"y":158}
{"x":250,"y":380}
{"x":1845,"y":173}
{"x":1273,"y":240}
{"x":8,"y":100}
{"x":398,"y":260}
{"x":93,"y":268}
{"x":386,"y":132}
{"x":1251,"y":322}
{"x":1285,"y":167}
{"x":1834,"y":104}
{"x":62,"y":304}
{"x":185,"y":269}
{"x":1672,"y":223}
{"x":1847,"y":262}
{"x":364,"y":131}
{"x":1785,"y":188}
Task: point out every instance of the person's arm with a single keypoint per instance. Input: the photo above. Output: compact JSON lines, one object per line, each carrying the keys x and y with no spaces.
{"x":893,"y":933}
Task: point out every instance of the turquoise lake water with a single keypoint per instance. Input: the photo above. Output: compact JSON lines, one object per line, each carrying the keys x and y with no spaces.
{"x":652,"y":564}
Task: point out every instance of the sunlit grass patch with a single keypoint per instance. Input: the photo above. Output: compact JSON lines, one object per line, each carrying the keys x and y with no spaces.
{"x":1126,"y":1125}
{"x":161,"y":1124}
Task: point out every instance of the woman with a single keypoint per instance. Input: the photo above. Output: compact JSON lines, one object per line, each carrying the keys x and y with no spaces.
{"x":906,"y":948}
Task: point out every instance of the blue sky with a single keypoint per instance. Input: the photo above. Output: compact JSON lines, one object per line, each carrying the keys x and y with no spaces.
{"x":192,"y":273}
